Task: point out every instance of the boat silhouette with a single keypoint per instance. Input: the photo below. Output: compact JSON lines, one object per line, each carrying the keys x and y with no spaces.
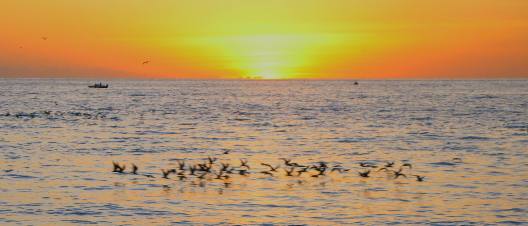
{"x":100,"y":85}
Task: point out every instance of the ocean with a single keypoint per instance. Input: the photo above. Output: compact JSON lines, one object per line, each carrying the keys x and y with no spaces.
{"x":58,"y":139}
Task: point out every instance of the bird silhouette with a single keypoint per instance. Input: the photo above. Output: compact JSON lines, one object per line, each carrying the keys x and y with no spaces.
{"x":202,"y":176}
{"x":408,"y":165}
{"x":213,"y":168}
{"x":321,"y":170}
{"x":399,"y":173}
{"x":166,"y":173}
{"x":44,"y":38}
{"x":118,"y":168}
{"x":336,"y":169}
{"x":211,"y":160}
{"x":192,"y":169}
{"x":145,"y":62}
{"x":181,"y":164}
{"x":219,"y":175}
{"x":244,"y":163}
{"x":205,"y":167}
{"x":289,"y":172}
{"x":303,"y":170}
{"x":367,"y":165}
{"x":134,"y":168}
{"x":419,"y":178}
{"x":323,"y":165}
{"x":273,"y":169}
{"x":364,"y":174}
{"x":243,"y":172}
{"x":383,"y":168}
{"x":181,"y":175}
{"x":286,"y":161}
{"x":225,"y":167}
{"x":294,"y":164}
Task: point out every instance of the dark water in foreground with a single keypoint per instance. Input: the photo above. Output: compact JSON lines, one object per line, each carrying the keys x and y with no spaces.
{"x":58,"y":139}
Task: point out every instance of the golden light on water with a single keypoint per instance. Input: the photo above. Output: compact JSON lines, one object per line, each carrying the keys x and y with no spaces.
{"x":59,"y":140}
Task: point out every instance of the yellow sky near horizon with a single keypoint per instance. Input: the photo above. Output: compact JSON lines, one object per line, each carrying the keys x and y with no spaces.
{"x":273,"y":39}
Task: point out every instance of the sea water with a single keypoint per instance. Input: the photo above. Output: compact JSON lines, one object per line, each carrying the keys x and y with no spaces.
{"x":58,"y":139}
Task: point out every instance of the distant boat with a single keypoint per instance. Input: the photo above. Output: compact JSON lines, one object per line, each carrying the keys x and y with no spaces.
{"x":356,"y":83}
{"x":100,"y":85}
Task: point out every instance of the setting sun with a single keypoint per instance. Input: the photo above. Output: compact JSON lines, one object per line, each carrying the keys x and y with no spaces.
{"x":268,"y":56}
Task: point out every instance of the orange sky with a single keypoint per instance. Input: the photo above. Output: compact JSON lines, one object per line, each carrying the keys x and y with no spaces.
{"x":273,"y":39}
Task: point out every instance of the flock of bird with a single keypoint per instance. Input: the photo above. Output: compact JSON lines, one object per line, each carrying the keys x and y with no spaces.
{"x":212,"y":168}
{"x":57,"y":115}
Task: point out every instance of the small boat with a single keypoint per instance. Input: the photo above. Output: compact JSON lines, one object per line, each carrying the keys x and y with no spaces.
{"x":100,"y":85}
{"x":356,"y":83}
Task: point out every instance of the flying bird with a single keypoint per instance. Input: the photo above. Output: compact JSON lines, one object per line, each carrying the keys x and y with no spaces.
{"x":118,"y":168}
{"x":289,"y":172}
{"x":244,"y":163}
{"x":303,"y":170}
{"x":399,"y":173}
{"x":225,"y":167}
{"x":181,"y":164}
{"x":44,"y":38}
{"x":274,"y":169}
{"x":192,"y":169}
{"x":220,"y":175}
{"x":211,"y":160}
{"x":383,"y":168}
{"x":146,"y":62}
{"x":286,"y":161}
{"x":408,"y":165}
{"x":167,"y":172}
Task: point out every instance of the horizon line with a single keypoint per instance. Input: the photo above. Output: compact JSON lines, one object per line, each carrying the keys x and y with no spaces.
{"x":285,"y":79}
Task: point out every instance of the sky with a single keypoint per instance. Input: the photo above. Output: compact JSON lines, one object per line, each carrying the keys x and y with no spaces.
{"x":265,"y":39}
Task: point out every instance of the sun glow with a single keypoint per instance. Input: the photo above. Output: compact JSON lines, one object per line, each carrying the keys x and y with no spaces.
{"x":268,"y":56}
{"x":294,"y":39}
